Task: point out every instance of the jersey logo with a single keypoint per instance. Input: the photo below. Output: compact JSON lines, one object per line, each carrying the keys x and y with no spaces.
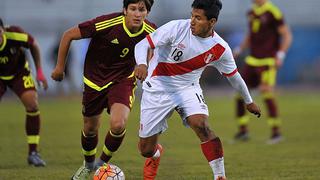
{"x":115,"y":41}
{"x":181,"y":46}
{"x":208,"y":58}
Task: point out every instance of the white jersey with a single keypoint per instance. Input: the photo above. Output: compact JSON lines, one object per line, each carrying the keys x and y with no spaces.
{"x":180,"y":57}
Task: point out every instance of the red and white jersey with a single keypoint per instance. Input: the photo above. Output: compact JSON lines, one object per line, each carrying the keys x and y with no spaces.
{"x":180,"y":57}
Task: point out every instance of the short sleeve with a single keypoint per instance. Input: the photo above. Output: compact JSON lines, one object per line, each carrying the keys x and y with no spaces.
{"x":226,"y":64}
{"x":163,"y":35}
{"x":25,"y":39}
{"x":87,"y":28}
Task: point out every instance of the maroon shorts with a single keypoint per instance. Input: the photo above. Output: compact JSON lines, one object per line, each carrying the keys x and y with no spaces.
{"x":20,"y":83}
{"x":254,"y":76}
{"x":94,"y":101}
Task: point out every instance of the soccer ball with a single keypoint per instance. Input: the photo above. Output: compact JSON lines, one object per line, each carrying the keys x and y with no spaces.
{"x":109,"y":172}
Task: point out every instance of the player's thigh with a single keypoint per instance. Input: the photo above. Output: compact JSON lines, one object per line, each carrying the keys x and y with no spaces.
{"x":93,"y":102}
{"x":30,"y":100}
{"x":251,"y":76}
{"x":3,"y":88}
{"x":24,"y":86}
{"x":118,"y":117}
{"x":22,"y":83}
{"x":190,"y":102}
{"x":268,"y":79}
{"x":91,"y":124}
{"x":121,"y":98}
{"x":156,"y":108}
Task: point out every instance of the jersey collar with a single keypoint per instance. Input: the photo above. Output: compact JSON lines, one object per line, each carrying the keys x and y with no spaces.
{"x":133,"y":34}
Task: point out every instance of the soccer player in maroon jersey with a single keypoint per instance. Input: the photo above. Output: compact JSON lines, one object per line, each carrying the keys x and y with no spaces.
{"x":268,"y":40}
{"x":15,"y":74}
{"x":108,"y":78}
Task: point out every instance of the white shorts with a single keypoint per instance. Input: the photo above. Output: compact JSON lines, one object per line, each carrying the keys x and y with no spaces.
{"x":157,"y":107}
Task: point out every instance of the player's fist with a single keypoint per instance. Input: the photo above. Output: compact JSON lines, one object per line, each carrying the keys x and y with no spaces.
{"x":141,"y":72}
{"x":254,"y":109}
{"x":57,"y":74}
{"x":42,"y":79}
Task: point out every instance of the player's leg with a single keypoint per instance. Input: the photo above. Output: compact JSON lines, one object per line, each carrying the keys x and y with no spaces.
{"x":120,"y":98}
{"x":23,"y":85}
{"x":252,"y":79}
{"x":267,"y":91}
{"x":210,"y":144}
{"x":151,"y":150}
{"x":156,"y":108}
{"x":32,"y":125}
{"x":193,"y":110}
{"x":119,"y":114}
{"x":93,"y":105}
{"x":89,"y":141}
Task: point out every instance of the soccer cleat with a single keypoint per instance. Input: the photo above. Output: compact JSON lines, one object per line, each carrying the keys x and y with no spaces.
{"x":241,"y":136}
{"x":221,"y":178}
{"x":83,"y":173}
{"x":275,"y":139}
{"x":151,"y":166}
{"x":34,"y":159}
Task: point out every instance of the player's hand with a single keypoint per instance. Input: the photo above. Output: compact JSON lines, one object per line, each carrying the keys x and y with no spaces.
{"x":279,"y":63}
{"x":254,"y":109}
{"x":41,"y":79}
{"x":57,"y":74}
{"x":236,"y":52}
{"x":141,"y":72}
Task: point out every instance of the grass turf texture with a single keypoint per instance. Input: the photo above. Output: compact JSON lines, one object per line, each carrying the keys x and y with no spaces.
{"x":297,"y":157}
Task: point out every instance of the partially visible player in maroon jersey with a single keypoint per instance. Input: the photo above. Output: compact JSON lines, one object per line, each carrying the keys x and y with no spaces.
{"x":268,"y":40}
{"x":15,"y":74}
{"x":108,"y":78}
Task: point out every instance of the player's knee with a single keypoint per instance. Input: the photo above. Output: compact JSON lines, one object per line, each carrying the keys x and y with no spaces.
{"x":118,"y":126}
{"x":32,"y":107}
{"x":203,"y":130}
{"x":90,"y":129}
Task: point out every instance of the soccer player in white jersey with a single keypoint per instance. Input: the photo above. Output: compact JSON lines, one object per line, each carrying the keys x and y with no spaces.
{"x":182,"y":50}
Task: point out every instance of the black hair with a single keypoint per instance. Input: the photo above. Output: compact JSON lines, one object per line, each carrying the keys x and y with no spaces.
{"x":148,"y":3}
{"x":211,"y":7}
{"x":1,"y":23}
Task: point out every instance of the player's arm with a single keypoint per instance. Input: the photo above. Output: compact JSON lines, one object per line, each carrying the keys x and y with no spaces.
{"x":243,"y":46}
{"x":227,"y":66}
{"x":67,"y":37}
{"x":35,"y":52}
{"x":286,"y":40}
{"x":238,"y":83}
{"x":141,"y":51}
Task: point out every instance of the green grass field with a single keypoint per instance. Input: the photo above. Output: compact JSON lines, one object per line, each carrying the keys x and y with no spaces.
{"x":298,"y":157}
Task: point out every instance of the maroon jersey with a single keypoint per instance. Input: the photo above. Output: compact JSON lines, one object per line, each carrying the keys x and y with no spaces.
{"x":110,"y":56}
{"x":12,"y":56}
{"x":263,"y":25}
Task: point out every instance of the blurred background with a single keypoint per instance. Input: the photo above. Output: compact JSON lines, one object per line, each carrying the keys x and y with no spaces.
{"x":46,"y":20}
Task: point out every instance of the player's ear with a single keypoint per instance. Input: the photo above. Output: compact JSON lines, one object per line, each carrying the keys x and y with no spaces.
{"x":213,"y":21}
{"x":124,"y":11}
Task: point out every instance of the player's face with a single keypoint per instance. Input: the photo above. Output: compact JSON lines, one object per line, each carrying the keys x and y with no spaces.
{"x":135,"y":14}
{"x":259,"y":2}
{"x":200,"y":25}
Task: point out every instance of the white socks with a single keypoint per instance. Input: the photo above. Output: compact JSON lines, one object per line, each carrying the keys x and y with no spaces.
{"x":217,"y":167}
{"x":156,"y":155}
